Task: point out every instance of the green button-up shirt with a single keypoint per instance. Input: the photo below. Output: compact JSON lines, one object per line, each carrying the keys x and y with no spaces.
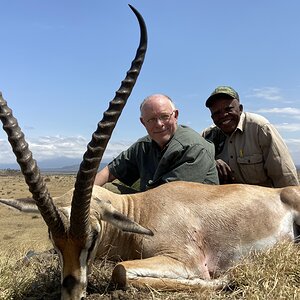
{"x":187,"y":157}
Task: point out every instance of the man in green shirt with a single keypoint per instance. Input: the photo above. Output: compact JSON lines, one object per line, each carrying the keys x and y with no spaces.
{"x":169,"y":152}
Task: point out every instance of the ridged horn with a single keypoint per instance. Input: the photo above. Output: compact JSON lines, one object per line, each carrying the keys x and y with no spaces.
{"x":79,"y":224}
{"x":30,"y":170}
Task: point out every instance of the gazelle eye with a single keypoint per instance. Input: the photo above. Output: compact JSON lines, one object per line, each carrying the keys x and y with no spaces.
{"x":94,"y":240}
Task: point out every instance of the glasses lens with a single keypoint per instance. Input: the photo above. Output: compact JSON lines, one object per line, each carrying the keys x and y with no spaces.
{"x":165,"y":118}
{"x":162,"y":118}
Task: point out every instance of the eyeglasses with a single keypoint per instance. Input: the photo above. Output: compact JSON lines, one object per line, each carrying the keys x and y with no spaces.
{"x":164,"y":118}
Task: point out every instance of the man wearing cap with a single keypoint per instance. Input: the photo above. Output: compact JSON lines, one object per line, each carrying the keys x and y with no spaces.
{"x":248,"y":148}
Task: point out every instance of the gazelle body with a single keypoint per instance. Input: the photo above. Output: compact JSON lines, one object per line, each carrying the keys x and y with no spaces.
{"x":199,"y":230}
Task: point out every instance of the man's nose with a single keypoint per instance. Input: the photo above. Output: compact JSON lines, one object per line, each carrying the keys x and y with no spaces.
{"x":224,"y":113}
{"x":159,"y":121}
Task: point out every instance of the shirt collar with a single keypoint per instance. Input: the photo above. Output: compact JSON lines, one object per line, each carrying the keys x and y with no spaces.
{"x":241,"y":123}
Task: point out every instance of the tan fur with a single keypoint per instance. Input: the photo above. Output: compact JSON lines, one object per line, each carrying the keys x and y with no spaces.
{"x":199,"y":230}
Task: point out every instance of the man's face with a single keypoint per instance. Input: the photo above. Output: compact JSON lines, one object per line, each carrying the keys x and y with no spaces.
{"x":226,"y":113}
{"x":160,"y":119}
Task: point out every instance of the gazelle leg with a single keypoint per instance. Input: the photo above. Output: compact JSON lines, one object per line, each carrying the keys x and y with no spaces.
{"x":162,"y":273}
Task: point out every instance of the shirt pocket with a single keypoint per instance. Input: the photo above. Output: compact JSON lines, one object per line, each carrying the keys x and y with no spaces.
{"x":252,"y":169}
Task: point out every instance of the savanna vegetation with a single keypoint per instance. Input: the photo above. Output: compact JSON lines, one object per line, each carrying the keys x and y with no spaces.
{"x":274,"y":274}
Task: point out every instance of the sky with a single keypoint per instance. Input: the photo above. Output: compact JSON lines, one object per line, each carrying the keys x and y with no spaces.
{"x":61,"y":62}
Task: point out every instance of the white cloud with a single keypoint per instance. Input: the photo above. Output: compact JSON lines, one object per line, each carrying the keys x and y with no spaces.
{"x":284,"y":113}
{"x":49,"y":147}
{"x":294,"y":148}
{"x":267,"y":93}
{"x":289,"y":127}
{"x":57,"y":146}
{"x":281,"y":110}
{"x":6,"y":154}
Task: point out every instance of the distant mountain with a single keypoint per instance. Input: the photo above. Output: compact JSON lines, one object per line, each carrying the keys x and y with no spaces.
{"x":56,"y":165}
{"x":62,"y":165}
{"x":68,"y":169}
{"x":14,"y":166}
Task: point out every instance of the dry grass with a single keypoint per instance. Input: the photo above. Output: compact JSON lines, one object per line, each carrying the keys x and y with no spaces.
{"x":274,"y":274}
{"x":21,"y":279}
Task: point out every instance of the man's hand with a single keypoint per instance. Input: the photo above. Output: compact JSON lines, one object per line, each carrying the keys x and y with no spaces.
{"x":224,"y":172}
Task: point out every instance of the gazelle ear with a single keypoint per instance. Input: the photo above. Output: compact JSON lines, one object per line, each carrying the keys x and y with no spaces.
{"x":125,"y":224}
{"x":22,"y":204}
{"x":109,"y":214}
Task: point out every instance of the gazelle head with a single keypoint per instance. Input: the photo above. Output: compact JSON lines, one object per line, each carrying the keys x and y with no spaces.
{"x":75,"y":234}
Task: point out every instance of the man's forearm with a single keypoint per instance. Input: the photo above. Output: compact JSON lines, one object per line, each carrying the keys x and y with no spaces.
{"x":104,"y":176}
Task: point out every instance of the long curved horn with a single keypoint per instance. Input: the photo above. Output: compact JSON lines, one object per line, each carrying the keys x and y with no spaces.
{"x":30,"y":170}
{"x":88,"y":168}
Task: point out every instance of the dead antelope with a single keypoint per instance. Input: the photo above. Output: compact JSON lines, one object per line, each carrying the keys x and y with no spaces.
{"x":178,"y":235}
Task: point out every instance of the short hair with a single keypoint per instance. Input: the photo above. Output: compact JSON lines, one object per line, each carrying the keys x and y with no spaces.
{"x":149,"y":97}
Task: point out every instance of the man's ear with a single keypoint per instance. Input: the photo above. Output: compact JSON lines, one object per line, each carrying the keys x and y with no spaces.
{"x":176,"y":113}
{"x":241,"y":107}
{"x":142,"y":121}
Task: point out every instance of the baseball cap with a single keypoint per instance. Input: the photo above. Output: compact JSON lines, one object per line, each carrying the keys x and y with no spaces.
{"x":226,"y":90}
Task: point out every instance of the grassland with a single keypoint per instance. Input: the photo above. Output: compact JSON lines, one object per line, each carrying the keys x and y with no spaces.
{"x":272,"y":275}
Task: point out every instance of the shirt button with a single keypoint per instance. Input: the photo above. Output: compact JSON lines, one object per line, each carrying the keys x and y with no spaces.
{"x":150,"y":181}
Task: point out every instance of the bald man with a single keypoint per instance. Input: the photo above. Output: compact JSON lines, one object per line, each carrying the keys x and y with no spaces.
{"x":169,"y":152}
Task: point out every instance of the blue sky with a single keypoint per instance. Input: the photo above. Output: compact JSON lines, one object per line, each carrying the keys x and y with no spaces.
{"x":62,"y":61}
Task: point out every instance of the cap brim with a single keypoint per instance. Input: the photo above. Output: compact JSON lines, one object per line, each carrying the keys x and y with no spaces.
{"x":212,"y":98}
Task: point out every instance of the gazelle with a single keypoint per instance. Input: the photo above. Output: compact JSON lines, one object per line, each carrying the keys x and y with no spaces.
{"x":178,"y":235}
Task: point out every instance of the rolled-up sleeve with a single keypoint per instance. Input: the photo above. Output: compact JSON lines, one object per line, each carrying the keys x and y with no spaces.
{"x":124,"y":166}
